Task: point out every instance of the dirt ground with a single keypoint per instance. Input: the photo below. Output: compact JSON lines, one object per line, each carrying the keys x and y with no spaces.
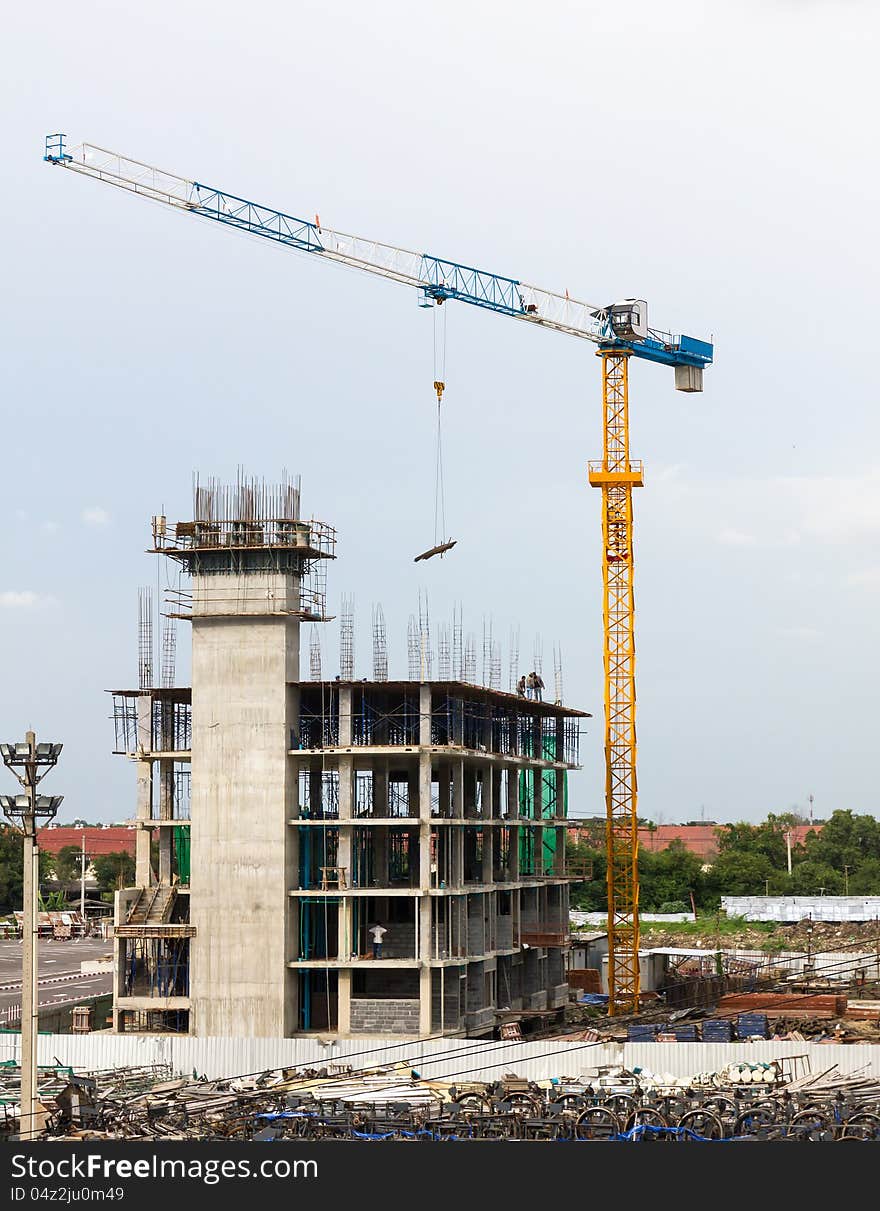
{"x":825,"y":936}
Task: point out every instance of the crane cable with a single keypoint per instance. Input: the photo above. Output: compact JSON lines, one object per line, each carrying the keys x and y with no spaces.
{"x":439,"y":387}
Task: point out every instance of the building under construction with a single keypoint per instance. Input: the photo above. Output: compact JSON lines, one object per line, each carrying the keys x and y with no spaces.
{"x":281,"y":819}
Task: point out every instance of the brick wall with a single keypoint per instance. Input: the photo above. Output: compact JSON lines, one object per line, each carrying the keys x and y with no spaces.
{"x":384,"y":1016}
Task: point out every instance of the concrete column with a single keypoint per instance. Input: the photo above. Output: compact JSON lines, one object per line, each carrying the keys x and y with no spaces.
{"x":344,"y":857}
{"x":344,"y":716}
{"x":316,"y":788}
{"x":424,"y":947}
{"x":380,"y":788}
{"x":424,"y":714}
{"x":144,"y":771}
{"x":166,"y":812}
{"x":425,"y":1002}
{"x":343,"y":1007}
{"x":469,"y":783}
{"x":243,"y":795}
{"x":512,"y":791}
{"x":443,"y":784}
{"x":513,"y":851}
{"x":488,"y":852}
{"x":458,"y":788}
{"x":144,"y":723}
{"x":344,"y":942}
{"x":379,"y":838}
{"x":424,"y":785}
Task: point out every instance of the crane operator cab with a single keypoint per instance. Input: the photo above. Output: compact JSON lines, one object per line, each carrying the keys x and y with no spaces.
{"x":629,"y":319}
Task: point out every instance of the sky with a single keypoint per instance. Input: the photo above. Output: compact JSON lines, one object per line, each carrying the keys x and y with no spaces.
{"x":715,"y":160}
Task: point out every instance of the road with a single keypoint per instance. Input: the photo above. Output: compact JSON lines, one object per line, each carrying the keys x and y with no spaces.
{"x":60,"y":977}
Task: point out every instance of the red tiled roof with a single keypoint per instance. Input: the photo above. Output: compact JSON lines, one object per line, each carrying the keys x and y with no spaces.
{"x":700,"y":839}
{"x":98,"y":840}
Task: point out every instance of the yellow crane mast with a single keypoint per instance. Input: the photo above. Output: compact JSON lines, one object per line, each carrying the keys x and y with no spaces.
{"x":617,"y":477}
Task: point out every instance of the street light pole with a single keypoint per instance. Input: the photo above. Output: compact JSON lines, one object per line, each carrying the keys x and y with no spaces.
{"x":29,"y":933}
{"x":29,"y":762}
{"x":82,"y":883}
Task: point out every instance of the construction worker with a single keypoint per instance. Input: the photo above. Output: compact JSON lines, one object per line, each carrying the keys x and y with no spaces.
{"x":521,"y":687}
{"x":377,"y":933}
{"x":530,"y":685}
{"x":539,"y":685}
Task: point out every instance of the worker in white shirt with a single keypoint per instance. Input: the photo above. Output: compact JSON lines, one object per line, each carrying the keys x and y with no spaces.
{"x":377,"y":933}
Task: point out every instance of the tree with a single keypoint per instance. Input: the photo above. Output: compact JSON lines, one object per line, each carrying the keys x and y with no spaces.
{"x":740,"y":872}
{"x":590,"y":895}
{"x":11,"y":861}
{"x":766,"y":839}
{"x":866,"y":879}
{"x":67,"y":864}
{"x":846,"y":840}
{"x":669,"y":874}
{"x":114,"y":870}
{"x":808,"y":878}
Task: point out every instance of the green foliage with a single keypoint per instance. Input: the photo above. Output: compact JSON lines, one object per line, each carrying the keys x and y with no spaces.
{"x":67,"y":863}
{"x":114,"y":870}
{"x":752,"y":861}
{"x":865,"y":880}
{"x":587,"y":894}
{"x":54,"y":901}
{"x":11,"y":854}
{"x":674,"y":906}
{"x":10,"y":869}
{"x":669,"y":874}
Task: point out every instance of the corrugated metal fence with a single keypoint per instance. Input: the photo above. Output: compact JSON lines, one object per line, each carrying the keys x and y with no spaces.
{"x":467,"y":1059}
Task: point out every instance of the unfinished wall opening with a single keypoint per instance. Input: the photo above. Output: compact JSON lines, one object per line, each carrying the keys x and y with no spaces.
{"x":155,"y":967}
{"x":447,"y":999}
{"x":153,"y":1021}
{"x":318,"y":796}
{"x":318,"y":927}
{"x":317,"y":996}
{"x":318,"y":849}
{"x":397,"y":914}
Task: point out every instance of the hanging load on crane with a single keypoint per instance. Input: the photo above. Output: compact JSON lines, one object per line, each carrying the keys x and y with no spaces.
{"x":620,"y":331}
{"x":440,"y":547}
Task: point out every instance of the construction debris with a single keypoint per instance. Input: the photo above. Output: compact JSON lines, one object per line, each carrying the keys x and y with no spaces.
{"x":779,"y":1099}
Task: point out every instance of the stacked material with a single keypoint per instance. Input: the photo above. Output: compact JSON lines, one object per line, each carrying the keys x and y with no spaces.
{"x":751,"y":1026}
{"x":717,"y":1030}
{"x":641,"y":1032}
{"x":779,"y":1004}
{"x":586,"y":978}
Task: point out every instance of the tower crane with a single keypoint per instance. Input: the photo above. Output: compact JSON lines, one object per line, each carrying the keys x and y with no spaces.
{"x":619,"y":331}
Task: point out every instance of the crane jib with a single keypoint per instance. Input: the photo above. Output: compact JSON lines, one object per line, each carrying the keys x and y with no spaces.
{"x":438,"y":279}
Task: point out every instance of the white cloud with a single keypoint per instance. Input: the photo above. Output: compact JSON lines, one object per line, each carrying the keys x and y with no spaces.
{"x":808,"y":633}
{"x":836,"y":508}
{"x":737,"y":538}
{"x":24,"y":600}
{"x":96,"y":516}
{"x":868,"y":576}
{"x":50,"y":527}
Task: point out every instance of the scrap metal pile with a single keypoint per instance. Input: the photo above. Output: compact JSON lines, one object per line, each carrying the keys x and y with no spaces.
{"x":396,"y":1104}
